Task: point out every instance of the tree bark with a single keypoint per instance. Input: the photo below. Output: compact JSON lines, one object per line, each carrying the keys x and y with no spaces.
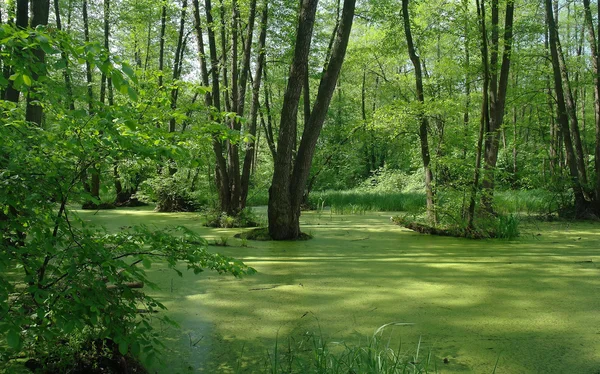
{"x":423,"y":120}
{"x":289,"y":178}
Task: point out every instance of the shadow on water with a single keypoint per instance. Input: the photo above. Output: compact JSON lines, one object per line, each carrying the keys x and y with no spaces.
{"x":532,"y":302}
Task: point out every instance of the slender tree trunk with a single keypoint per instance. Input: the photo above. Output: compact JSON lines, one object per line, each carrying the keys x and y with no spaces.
{"x":176,"y":68}
{"x":424,"y":122}
{"x":563,"y":118}
{"x":267,"y":124}
{"x":249,"y":157}
{"x":594,"y":40}
{"x":65,"y":59}
{"x":571,"y":107}
{"x":233,"y":148}
{"x":161,"y":51}
{"x":221,"y":173}
{"x":485,"y":116}
{"x":226,"y":87}
{"x":497,"y":99}
{"x":290,"y":177}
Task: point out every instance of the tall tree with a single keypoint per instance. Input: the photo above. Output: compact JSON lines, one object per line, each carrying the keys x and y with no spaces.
{"x":563,"y":117}
{"x":423,"y":120}
{"x":290,"y":176}
{"x":594,"y":39}
{"x":498,"y":87}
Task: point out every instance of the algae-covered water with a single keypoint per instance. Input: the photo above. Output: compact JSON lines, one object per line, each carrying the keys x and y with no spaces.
{"x":532,"y":305}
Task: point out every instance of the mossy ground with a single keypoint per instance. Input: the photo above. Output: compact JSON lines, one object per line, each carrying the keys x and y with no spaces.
{"x":532,"y":302}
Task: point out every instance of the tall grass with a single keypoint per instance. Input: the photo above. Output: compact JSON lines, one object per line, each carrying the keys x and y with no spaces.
{"x":360,"y":200}
{"x":313,"y":354}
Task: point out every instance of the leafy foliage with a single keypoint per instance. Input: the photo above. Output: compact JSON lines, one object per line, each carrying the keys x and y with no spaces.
{"x":59,"y":276}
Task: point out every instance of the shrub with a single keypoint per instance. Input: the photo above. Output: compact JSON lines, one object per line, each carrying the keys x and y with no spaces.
{"x":245,"y":218}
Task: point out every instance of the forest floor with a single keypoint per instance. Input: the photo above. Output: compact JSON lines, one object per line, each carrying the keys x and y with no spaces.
{"x":530,"y":304}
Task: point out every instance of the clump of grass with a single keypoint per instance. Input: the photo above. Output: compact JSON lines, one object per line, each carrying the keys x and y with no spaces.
{"x":528,"y":202}
{"x":507,"y":227}
{"x":222,"y":241}
{"x":312,"y":353}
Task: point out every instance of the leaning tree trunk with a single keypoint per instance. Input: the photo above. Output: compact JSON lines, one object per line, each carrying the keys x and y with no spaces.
{"x":563,"y":118}
{"x":424,"y":123}
{"x":289,"y":178}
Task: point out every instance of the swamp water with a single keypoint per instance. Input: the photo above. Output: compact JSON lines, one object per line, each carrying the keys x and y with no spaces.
{"x":531,"y":304}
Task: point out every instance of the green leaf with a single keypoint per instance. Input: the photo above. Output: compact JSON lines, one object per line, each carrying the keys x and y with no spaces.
{"x":123,"y":347}
{"x":14,"y":339}
{"x":27,"y":80}
{"x":135,"y":348}
{"x":130,"y":72}
{"x":131,"y":124}
{"x":146,"y":262}
{"x":132,"y":93}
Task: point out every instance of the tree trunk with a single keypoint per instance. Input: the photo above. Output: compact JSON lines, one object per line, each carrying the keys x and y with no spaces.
{"x":563,"y":118}
{"x":571,"y":108}
{"x":161,"y":51}
{"x":221,"y":174}
{"x":34,"y":112}
{"x":88,"y":66}
{"x":177,"y":71}
{"x":11,"y":94}
{"x":65,"y":59}
{"x":289,"y":179}
{"x":424,"y":122}
{"x":594,"y":38}
{"x":249,"y":157}
{"x":497,"y":99}
{"x":485,"y":116}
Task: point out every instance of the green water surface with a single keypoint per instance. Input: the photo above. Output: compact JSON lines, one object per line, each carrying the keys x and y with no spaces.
{"x":532,"y":304}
